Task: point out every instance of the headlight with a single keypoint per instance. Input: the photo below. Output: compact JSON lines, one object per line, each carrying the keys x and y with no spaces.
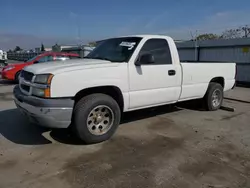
{"x":38,"y":92}
{"x":43,"y":78}
{"x":41,"y":87}
{"x":41,"y":92}
{"x":9,"y":68}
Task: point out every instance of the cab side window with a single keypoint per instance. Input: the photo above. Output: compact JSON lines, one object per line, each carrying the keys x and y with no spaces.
{"x":159,"y":48}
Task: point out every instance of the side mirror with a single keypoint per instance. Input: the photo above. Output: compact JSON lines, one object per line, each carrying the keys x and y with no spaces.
{"x":35,"y":62}
{"x":145,"y":59}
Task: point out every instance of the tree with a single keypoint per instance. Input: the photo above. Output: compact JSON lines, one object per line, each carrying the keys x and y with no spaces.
{"x":56,"y":48}
{"x":241,"y":32}
{"x":17,"y":48}
{"x":92,"y":44}
{"x":246,"y":31}
{"x":207,"y":36}
{"x":42,"y":48}
{"x":231,"y":34}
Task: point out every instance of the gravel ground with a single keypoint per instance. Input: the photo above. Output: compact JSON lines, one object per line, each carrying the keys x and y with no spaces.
{"x":180,"y":147}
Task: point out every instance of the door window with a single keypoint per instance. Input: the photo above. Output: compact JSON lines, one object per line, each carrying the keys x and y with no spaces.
{"x":45,"y":59}
{"x":159,"y":48}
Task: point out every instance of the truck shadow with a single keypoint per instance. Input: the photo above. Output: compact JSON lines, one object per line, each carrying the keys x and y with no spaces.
{"x":195,"y":105}
{"x":7,"y":82}
{"x":148,"y":113}
{"x":15,"y":128}
{"x":66,"y":137}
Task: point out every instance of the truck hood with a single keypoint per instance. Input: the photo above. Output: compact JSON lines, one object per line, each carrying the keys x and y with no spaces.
{"x":68,"y":65}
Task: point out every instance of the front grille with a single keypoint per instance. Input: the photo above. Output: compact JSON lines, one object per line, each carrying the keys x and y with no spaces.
{"x":25,"y":88}
{"x":27,"y":75}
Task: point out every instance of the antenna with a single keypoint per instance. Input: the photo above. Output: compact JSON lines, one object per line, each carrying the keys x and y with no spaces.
{"x":79,"y":33}
{"x":194,"y":38}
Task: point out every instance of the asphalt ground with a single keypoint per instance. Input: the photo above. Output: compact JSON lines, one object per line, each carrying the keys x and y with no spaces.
{"x":180,"y":146}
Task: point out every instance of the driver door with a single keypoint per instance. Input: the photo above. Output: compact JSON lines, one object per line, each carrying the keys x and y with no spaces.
{"x":156,"y":83}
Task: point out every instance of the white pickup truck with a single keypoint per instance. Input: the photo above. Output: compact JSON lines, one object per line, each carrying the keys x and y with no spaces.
{"x":119,"y":75}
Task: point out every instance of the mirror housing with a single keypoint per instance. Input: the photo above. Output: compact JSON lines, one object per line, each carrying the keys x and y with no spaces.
{"x":145,"y":59}
{"x":35,"y":62}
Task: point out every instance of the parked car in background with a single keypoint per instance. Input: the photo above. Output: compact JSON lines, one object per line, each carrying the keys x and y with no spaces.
{"x":12,"y":72}
{"x":121,"y":74}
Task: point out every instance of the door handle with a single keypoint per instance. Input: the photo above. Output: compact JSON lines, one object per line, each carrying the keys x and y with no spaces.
{"x":171,"y":72}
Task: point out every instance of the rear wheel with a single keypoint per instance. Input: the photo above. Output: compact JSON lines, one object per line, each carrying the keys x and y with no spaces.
{"x":214,"y":96}
{"x":96,"y":117}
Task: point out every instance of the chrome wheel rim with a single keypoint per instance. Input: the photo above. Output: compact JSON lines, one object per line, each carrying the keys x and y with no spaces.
{"x":216,"y":98}
{"x":100,"y":120}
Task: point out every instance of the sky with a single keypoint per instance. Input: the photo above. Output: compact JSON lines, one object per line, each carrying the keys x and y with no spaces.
{"x":28,"y":23}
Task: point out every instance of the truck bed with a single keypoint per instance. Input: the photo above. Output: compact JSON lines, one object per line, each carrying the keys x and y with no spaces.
{"x":196,"y":77}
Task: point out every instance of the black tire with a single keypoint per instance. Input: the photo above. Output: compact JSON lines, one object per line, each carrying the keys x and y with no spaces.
{"x":82,"y":110}
{"x":208,"y":98}
{"x":17,"y":76}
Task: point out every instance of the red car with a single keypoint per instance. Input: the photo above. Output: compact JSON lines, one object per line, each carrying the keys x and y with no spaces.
{"x":12,"y":72}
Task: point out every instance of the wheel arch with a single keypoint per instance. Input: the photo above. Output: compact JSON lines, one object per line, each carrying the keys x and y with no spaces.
{"x":16,"y":74}
{"x":219,"y":80}
{"x":113,"y":91}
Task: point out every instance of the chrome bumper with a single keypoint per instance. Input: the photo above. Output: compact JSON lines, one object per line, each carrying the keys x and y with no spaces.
{"x":44,"y":115}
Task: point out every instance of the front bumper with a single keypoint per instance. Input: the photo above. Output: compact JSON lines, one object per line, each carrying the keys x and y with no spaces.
{"x":52,"y":113}
{"x":3,"y":74}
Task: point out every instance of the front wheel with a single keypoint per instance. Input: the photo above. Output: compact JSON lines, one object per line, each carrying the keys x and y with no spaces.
{"x":96,"y":118}
{"x":214,"y":96}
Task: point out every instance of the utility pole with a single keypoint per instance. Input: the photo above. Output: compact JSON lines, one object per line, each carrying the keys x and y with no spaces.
{"x":76,"y":22}
{"x":195,"y":44}
{"x":79,"y":33}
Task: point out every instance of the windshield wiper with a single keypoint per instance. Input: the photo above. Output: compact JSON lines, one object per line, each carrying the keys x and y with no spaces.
{"x":101,"y":58}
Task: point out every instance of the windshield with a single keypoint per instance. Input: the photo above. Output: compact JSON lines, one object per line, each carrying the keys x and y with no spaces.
{"x":115,"y":49}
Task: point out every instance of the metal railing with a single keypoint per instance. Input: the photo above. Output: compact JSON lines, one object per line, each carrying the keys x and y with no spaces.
{"x":21,"y":56}
{"x":24,"y":56}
